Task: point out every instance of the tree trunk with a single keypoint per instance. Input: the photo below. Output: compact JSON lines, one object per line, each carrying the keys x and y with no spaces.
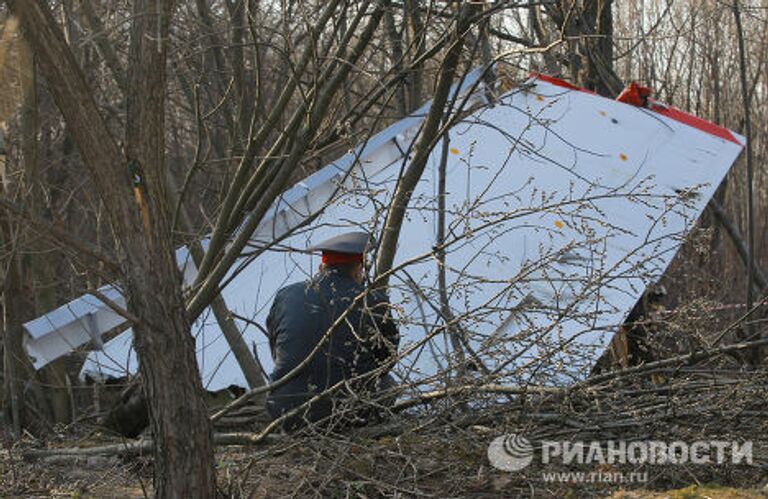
{"x":162,"y":338}
{"x":599,"y":75}
{"x":396,"y":42}
{"x":36,"y":266}
{"x":589,"y":26}
{"x":15,"y":372}
{"x":417,"y":41}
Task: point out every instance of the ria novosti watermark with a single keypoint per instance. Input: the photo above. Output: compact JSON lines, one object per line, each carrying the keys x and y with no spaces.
{"x":514,"y":452}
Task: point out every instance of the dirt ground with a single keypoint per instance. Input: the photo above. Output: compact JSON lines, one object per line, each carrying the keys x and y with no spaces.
{"x":340,"y":467}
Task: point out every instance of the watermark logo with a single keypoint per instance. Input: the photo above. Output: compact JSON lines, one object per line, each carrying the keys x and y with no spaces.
{"x":514,"y":452}
{"x":510,"y":452}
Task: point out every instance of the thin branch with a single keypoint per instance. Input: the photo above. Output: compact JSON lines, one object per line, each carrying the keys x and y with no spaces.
{"x":114,"y":306}
{"x":50,"y":231}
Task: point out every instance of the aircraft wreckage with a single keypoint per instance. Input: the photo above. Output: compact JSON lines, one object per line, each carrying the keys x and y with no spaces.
{"x":560,"y":207}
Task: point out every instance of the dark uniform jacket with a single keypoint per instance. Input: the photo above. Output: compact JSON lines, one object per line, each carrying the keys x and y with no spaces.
{"x":300,"y":316}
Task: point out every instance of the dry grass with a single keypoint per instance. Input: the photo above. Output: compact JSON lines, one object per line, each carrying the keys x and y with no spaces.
{"x":440,"y":450}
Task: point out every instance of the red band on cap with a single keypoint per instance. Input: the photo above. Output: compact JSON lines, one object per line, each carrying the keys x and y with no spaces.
{"x":336,"y":258}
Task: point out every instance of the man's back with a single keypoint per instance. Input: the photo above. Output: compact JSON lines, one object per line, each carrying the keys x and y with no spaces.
{"x":301,"y":315}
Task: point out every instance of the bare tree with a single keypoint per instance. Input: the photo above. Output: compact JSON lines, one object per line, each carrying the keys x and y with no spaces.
{"x":132,"y":188}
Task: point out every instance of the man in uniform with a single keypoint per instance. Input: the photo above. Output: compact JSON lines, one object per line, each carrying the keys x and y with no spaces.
{"x":303,"y":315}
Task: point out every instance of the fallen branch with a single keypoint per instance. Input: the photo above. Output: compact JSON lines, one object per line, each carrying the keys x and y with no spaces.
{"x":470,"y":389}
{"x":680,"y":360}
{"x":144,"y":446}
